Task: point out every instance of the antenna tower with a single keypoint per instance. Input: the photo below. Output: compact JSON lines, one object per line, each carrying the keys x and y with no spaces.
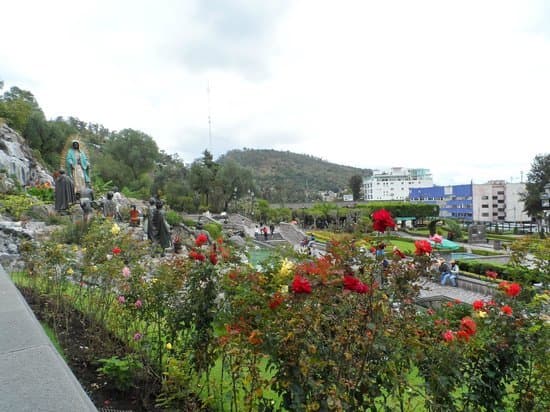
{"x":209,"y":118}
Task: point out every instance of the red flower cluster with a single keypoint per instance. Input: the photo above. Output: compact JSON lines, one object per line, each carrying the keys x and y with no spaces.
{"x":467,"y":329}
{"x":399,"y":254}
{"x":468,"y":326}
{"x":213,"y":258}
{"x":197,"y":256}
{"x":382,"y":220}
{"x":116,"y":250}
{"x":478,"y":305}
{"x":507,"y":310}
{"x":300,"y":285}
{"x":448,"y":336}
{"x":354,"y":284}
{"x":201,"y":239}
{"x":511,"y":289}
{"x":276,"y":300}
{"x":422,"y":247}
{"x":491,"y":274}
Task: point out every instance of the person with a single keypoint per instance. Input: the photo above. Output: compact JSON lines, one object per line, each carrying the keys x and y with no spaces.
{"x":455,"y":270}
{"x":265,"y":230}
{"x":109,"y":206}
{"x":446,"y":274}
{"x":272,"y":229}
{"x":78,"y":167}
{"x":64,"y":192}
{"x":134,"y":216}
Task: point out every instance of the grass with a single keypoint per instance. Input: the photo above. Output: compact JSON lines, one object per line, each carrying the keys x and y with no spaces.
{"x":51,"y":335}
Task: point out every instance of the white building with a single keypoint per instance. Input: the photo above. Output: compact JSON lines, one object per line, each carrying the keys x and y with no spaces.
{"x":498,"y":201}
{"x":394,"y":184}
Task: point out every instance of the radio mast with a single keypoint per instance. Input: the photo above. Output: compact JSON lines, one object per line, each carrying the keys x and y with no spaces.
{"x":209,"y":118}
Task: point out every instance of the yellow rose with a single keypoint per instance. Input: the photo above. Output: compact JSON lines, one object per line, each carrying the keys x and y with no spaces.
{"x":169,"y":346}
{"x":70,"y":271}
{"x":481,"y":314}
{"x":115,"y":230}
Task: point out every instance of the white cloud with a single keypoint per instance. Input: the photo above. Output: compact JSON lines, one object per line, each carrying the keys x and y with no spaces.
{"x":458,"y":87}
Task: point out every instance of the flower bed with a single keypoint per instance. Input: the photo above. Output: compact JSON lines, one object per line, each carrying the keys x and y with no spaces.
{"x":340,"y":332}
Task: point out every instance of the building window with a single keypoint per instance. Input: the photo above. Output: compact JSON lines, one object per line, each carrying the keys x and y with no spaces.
{"x":484,"y":197}
{"x":485,"y":206}
{"x":500,"y":193}
{"x":485,"y":214}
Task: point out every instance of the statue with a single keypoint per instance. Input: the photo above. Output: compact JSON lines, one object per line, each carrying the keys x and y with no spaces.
{"x":78,"y":167}
{"x":160,"y":232}
{"x":109,"y":206}
{"x":86,"y":202}
{"x":64,"y":192}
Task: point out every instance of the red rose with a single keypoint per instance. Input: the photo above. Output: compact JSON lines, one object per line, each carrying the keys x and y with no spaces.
{"x":468,"y":325}
{"x":354,"y":284}
{"x":300,"y":285}
{"x":507,"y":310}
{"x":276,"y":300}
{"x":478,"y":305}
{"x":201,"y":239}
{"x":422,"y":247}
{"x":213,"y":258}
{"x":511,"y":289}
{"x":116,"y":250}
{"x":382,"y":220}
{"x":197,"y":256}
{"x":448,"y":336}
{"x":491,"y":274}
{"x":463,"y":335}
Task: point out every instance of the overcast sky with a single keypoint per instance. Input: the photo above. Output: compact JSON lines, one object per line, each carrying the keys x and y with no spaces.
{"x":459,"y":87}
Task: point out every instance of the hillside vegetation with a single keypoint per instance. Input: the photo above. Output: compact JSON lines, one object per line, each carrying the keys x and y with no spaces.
{"x":291,"y":177}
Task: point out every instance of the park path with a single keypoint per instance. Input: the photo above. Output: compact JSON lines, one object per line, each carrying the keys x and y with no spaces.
{"x":431,"y":289}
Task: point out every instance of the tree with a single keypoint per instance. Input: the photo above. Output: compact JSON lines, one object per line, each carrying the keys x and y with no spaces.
{"x":233,"y":182}
{"x":356,"y":183}
{"x":538,"y":176}
{"x":17,"y":106}
{"x":127,"y":155}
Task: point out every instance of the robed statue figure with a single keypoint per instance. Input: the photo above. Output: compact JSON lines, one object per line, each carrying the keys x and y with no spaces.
{"x":78,"y":167}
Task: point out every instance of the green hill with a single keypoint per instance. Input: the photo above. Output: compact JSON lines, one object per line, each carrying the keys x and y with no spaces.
{"x":292,"y":177}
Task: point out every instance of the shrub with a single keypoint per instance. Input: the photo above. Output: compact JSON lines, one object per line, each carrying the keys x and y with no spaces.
{"x":173,"y":218}
{"x":120,"y":372}
{"x":17,"y":205}
{"x":214,"y":229}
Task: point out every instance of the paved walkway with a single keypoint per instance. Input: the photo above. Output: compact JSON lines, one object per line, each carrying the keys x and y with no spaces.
{"x":432,"y":289}
{"x":33,"y":376}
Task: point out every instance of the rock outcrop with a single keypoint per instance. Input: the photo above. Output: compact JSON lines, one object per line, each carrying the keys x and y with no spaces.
{"x":17,"y":162}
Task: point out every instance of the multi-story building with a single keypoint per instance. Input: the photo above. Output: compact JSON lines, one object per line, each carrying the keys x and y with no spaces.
{"x":498,"y":201}
{"x":453,"y":201}
{"x":395,"y":183}
{"x":494,"y":201}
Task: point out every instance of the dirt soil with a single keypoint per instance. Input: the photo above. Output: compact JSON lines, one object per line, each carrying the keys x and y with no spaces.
{"x":83,"y":344}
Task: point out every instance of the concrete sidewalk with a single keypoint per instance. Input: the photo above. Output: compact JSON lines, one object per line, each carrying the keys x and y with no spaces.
{"x":33,"y":376}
